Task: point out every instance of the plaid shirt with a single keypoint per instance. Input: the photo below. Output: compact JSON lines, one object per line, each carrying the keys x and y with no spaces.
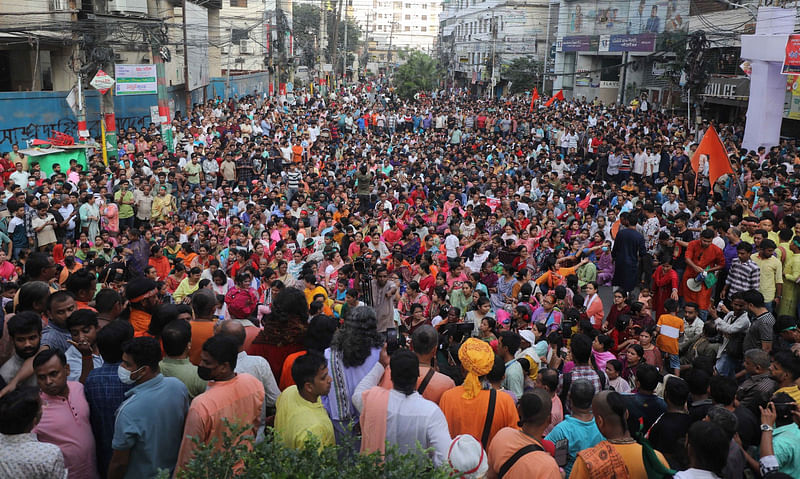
{"x":582,"y":372}
{"x":104,"y":392}
{"x":743,"y":276}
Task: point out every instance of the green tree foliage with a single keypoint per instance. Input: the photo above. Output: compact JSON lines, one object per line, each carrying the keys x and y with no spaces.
{"x":305,"y":22}
{"x":420,"y":72}
{"x":523,"y":73}
{"x":242,"y":459}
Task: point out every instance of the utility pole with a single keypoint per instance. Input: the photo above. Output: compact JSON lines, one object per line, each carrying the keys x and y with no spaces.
{"x":624,"y":79}
{"x":389,"y":55}
{"x":163,"y":101}
{"x":547,"y":44}
{"x":366,"y":46}
{"x":492,"y":80}
{"x":335,"y":47}
{"x":76,"y":67}
{"x":186,"y":88}
{"x":344,"y":57}
{"x":228,"y":68}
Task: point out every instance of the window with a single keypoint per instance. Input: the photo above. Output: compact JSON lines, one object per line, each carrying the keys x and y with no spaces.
{"x":239,"y":3}
{"x":407,"y":29}
{"x":424,"y":6}
{"x":424,"y":17}
{"x":424,"y":29}
{"x":408,"y":5}
{"x":408,"y":17}
{"x":238,"y":34}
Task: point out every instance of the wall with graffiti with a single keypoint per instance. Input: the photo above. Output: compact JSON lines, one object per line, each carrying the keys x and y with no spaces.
{"x":28,"y":115}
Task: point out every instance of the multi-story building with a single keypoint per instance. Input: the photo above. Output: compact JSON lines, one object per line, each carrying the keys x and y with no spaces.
{"x":393,"y":25}
{"x":479,"y":37}
{"x":616,"y":50}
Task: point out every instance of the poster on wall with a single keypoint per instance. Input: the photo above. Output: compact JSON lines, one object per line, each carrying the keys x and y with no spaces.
{"x":791,"y":61}
{"x":136,"y":79}
{"x":618,"y":17}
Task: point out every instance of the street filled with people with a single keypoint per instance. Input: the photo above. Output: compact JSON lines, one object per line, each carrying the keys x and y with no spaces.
{"x":510,"y":288}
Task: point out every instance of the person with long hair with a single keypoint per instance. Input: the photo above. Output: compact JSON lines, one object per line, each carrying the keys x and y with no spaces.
{"x":354,"y":350}
{"x":284,"y":329}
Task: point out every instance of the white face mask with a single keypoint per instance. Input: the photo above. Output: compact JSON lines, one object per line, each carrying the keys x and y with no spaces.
{"x":125,"y":375}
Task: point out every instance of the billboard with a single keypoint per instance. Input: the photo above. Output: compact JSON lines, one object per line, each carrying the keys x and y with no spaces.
{"x":136,"y":79}
{"x":616,"y":17}
{"x":197,"y":45}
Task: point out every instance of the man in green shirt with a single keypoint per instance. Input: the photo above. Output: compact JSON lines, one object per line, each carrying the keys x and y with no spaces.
{"x":193,"y":170}
{"x":175,"y":338}
{"x":124,"y":199}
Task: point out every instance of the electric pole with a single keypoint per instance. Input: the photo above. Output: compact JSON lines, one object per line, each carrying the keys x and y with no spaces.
{"x":344,"y":57}
{"x":186,"y":87}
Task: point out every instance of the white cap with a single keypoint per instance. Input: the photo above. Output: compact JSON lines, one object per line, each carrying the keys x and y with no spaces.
{"x":528,"y":336}
{"x":467,"y":458}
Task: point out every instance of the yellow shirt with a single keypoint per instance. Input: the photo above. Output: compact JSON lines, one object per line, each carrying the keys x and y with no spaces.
{"x":296,"y":419}
{"x":771,"y":275}
{"x":631,"y":455}
{"x":792,"y":391}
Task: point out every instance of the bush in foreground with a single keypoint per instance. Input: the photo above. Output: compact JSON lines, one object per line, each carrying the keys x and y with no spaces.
{"x":243,"y":459}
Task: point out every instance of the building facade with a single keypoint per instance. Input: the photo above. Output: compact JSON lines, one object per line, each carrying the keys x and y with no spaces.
{"x":479,"y":37}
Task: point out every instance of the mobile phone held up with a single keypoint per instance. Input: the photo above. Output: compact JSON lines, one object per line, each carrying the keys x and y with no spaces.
{"x":392,"y":341}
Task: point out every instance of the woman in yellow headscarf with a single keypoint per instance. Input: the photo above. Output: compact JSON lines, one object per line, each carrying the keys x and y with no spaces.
{"x":467,"y":407}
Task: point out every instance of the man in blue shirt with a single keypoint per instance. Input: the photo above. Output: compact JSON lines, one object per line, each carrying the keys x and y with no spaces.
{"x":578,"y":428}
{"x":149,"y":426}
{"x":104,"y":391}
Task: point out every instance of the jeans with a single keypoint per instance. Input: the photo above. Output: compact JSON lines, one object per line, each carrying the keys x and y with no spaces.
{"x":727,"y":366}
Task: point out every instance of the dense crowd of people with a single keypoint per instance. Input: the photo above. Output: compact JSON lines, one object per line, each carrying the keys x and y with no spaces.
{"x":370,"y":271}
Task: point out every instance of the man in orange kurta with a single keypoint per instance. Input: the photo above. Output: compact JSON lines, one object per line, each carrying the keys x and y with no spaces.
{"x":701,"y":255}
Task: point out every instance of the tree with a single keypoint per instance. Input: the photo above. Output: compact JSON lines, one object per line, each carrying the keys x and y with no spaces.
{"x":419,"y":73}
{"x":305,"y":22}
{"x":523,"y":73}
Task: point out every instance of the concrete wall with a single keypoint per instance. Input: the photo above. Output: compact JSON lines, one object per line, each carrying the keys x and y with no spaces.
{"x":29,"y":115}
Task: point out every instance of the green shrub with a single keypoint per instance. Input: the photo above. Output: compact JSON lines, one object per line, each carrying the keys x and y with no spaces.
{"x":270,"y":459}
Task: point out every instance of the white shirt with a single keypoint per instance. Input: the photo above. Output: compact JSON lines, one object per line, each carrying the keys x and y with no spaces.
{"x":20,"y":178}
{"x":75,"y":362}
{"x":695,"y":474}
{"x":259,"y":368}
{"x":451,"y":245}
{"x":409,"y":419}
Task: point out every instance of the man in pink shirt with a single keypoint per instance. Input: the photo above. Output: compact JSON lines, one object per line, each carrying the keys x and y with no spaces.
{"x":237,"y":398}
{"x":65,"y":414}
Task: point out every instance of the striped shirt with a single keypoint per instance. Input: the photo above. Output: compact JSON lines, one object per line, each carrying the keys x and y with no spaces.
{"x":293,"y":179}
{"x":743,"y":276}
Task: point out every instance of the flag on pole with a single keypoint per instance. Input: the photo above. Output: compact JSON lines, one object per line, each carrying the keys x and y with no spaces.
{"x":558,"y":96}
{"x":534,"y":97}
{"x":718,"y":162}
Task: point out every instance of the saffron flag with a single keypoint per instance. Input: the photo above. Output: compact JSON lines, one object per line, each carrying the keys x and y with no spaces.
{"x":558,"y":96}
{"x":534,"y":97}
{"x":718,"y":162}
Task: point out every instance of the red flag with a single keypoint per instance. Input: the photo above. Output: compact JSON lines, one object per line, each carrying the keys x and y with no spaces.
{"x":718,"y":162}
{"x":558,"y":96}
{"x":534,"y":97}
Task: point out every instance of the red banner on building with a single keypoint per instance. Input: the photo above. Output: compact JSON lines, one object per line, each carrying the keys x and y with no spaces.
{"x":282,"y":89}
{"x":791,"y":62}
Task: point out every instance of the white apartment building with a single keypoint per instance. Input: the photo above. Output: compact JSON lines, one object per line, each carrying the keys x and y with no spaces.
{"x":243,"y":34}
{"x":477,"y":33}
{"x":397,"y":25}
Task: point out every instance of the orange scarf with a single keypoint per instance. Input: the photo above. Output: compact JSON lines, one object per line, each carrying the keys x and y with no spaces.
{"x":373,"y":419}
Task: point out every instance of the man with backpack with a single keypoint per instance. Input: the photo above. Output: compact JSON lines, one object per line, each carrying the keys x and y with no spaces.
{"x":519,"y":453}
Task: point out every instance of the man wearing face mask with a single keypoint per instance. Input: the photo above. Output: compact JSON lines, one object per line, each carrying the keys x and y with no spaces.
{"x":25,"y":330}
{"x":235,"y":397}
{"x":142,"y":295}
{"x":146,"y":438}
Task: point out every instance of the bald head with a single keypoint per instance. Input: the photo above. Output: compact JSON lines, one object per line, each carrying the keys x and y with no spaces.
{"x":233,"y":329}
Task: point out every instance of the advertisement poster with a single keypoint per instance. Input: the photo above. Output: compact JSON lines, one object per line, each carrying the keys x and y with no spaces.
{"x":136,"y":79}
{"x":791,"y":62}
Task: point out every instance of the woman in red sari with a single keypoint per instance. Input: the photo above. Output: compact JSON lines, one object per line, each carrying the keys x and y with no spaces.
{"x":665,"y":286}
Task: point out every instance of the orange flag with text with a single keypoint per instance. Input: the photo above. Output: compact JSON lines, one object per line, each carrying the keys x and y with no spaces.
{"x":718,"y":162}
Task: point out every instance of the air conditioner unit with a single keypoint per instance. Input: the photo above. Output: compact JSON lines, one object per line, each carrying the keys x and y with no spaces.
{"x":244,"y":46}
{"x":136,"y":7}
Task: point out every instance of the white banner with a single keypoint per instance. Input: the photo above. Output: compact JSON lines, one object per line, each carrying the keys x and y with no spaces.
{"x":136,"y":79}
